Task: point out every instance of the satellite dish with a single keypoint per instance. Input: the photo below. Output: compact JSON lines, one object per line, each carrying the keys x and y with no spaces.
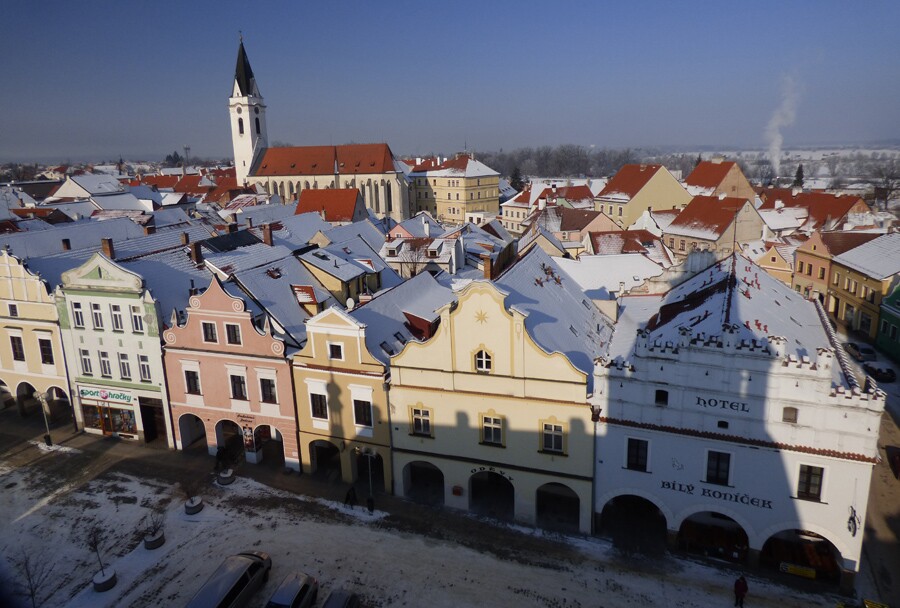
{"x":350,"y":303}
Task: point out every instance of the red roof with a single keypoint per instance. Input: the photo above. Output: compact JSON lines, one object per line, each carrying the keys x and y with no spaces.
{"x":823,"y":207}
{"x":326,"y":160}
{"x":338,"y":204}
{"x":160,"y":181}
{"x":709,"y":213}
{"x":841,"y":242}
{"x":629,"y":180}
{"x":709,"y":174}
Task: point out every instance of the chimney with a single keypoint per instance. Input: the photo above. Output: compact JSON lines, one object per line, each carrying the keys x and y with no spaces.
{"x":148,"y":229}
{"x":107,"y":246}
{"x":232,"y":228}
{"x":796,"y":191}
{"x":542,"y":203}
{"x":721,"y":196}
{"x":488,"y":266}
{"x":185,"y":239}
{"x":196,"y":254}
{"x":267,"y":234}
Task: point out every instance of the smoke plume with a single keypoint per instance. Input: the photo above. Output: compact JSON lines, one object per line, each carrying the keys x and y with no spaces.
{"x":783,"y":117}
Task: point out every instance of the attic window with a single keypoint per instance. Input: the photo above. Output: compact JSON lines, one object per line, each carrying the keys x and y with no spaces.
{"x":392,"y":251}
{"x":432,"y":253}
{"x":400,"y":337}
{"x":347,"y":250}
{"x":586,"y":305}
{"x":320,"y":255}
{"x":342,"y":164}
{"x":264,"y":166}
{"x":274,"y":273}
{"x":572,"y":329}
{"x":386,"y":348}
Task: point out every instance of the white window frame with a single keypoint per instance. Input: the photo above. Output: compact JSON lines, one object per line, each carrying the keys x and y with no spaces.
{"x":359,"y":392}
{"x":215,"y":332}
{"x":484,"y":362}
{"x":115,"y":314}
{"x":553,"y":432}
{"x":97,"y":315}
{"x":77,"y":315}
{"x":87,"y":368}
{"x":124,"y":366}
{"x":340,"y":345}
{"x":237,"y":328}
{"x":137,"y":320}
{"x":494,"y":422}
{"x":144,"y":365}
{"x":105,"y":365}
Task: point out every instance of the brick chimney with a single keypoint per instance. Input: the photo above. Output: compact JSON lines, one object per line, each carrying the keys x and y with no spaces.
{"x":488,"y":266}
{"x":267,"y":234}
{"x":232,"y":228}
{"x":106,"y":245}
{"x":185,"y":238}
{"x":148,"y":229}
{"x":196,"y":254}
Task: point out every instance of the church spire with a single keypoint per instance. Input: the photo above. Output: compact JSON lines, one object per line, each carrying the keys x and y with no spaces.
{"x":243,"y":74}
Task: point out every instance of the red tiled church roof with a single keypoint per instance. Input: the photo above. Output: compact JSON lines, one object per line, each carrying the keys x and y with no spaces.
{"x":325,"y":160}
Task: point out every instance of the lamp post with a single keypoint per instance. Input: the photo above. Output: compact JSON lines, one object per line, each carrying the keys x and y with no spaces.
{"x":43,"y":398}
{"x":370,"y":501}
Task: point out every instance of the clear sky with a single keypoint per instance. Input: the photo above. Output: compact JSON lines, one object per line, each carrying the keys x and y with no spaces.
{"x":100,"y":79}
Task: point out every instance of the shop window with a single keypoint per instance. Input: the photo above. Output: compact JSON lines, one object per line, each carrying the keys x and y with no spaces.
{"x":636,"y":458}
{"x":789,"y":414}
{"x":810,"y":483}
{"x":46,"y":347}
{"x":662,"y":397}
{"x":718,"y":466}
{"x":192,"y":382}
{"x":421,"y":421}
{"x":492,"y":430}
{"x":552,"y":438}
{"x":362,"y":412}
{"x":319,"y":406}
{"x":18,"y":348}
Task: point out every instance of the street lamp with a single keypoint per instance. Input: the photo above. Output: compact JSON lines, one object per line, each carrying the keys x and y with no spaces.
{"x":44,"y":398}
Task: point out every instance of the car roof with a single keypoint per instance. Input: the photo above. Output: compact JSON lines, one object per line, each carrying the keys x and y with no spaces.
{"x":222,"y":579}
{"x":289,"y":586}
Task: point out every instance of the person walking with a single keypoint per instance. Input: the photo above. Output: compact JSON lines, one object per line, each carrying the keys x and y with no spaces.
{"x":350,"y":498}
{"x":740,"y":590}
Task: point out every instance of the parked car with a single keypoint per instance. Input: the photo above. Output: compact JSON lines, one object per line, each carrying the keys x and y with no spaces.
{"x":234,"y":582}
{"x":297,"y":590}
{"x":341,"y":598}
{"x":880,"y":374}
{"x":860,"y":352}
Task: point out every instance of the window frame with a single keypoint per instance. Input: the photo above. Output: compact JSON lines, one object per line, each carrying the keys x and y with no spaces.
{"x":716,"y":478}
{"x":492,"y":429}
{"x":17,"y":345}
{"x":105,"y":364}
{"x":553,"y":430}
{"x":241,"y":383}
{"x":87,"y":368}
{"x":484,"y":362}
{"x":315,"y":403}
{"x":209,"y":332}
{"x":137,"y":319}
{"x":266,"y":396}
{"x":116,"y":320}
{"x":335,"y":347}
{"x":421,"y":421}
{"x":236,"y":329}
{"x":806,"y":481}
{"x":192,"y":381}
{"x":13,"y":309}
{"x":96,"y":315}
{"x":144,"y":369}
{"x":77,"y":315}
{"x":637,"y":454}
{"x":365,"y":406}
{"x":124,"y":366}
{"x":47,"y":357}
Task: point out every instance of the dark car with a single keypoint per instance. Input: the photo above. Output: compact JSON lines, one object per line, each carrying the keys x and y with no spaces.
{"x":234,"y":582}
{"x":880,"y":374}
{"x":341,"y":598}
{"x":860,"y":352}
{"x":297,"y":590}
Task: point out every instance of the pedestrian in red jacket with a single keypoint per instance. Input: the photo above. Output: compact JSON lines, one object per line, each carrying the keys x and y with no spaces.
{"x":740,"y":590}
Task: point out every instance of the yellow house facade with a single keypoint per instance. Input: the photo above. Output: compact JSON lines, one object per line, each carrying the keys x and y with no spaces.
{"x":637,"y":188}
{"x":485,"y":419}
{"x":31,"y":353}
{"x":455,"y":187}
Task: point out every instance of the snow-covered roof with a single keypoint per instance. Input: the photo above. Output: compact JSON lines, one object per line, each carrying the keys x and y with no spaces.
{"x":74,"y":209}
{"x":559,"y":316}
{"x":365,"y":230}
{"x":385,"y":319}
{"x":244,"y":258}
{"x":878,"y":259}
{"x":124,"y":200}
{"x":263,"y":214}
{"x":601,"y":277}
{"x":176,"y":216}
{"x":293,"y":232}
{"x":784,"y":218}
{"x":98,"y":184}
{"x":169,"y":276}
{"x":79,"y":234}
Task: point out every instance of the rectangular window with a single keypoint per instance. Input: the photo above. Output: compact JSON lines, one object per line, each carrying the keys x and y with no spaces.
{"x":836,"y":278}
{"x":238,"y":387}
{"x":810,"y":485}
{"x":105,"y":366}
{"x":46,"y":347}
{"x":144,"y":365}
{"x":85,"y":362}
{"x":124,"y":366}
{"x":192,"y":382}
{"x":884,"y":326}
{"x":115,"y":312}
{"x":421,"y":421}
{"x":637,"y":454}
{"x":662,"y":397}
{"x":77,"y":315}
{"x":893,"y":332}
{"x":336,"y":351}
{"x":681,"y":245}
{"x":553,"y":437}
{"x":137,"y":320}
{"x":267,"y":390}
{"x":718,"y":465}
{"x":799,"y":265}
{"x":18,"y":348}
{"x":319,"y":406}
{"x":209,"y":332}
{"x":362,"y":412}
{"x":14,"y":310}
{"x":822,"y":272}
{"x":97,"y":316}
{"x":233,"y":333}
{"x":492,"y":430}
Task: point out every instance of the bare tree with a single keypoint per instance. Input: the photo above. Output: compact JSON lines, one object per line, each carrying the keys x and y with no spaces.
{"x":191,"y":486}
{"x":154,"y":520}
{"x":35,"y":571}
{"x":887,"y":176}
{"x":832,"y":162}
{"x":95,"y":538}
{"x":413,"y":255}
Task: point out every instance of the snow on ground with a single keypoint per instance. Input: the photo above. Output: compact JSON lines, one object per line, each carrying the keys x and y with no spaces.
{"x":340,"y":546}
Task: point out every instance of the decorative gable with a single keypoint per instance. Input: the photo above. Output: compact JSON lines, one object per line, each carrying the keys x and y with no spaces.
{"x":101,"y":273}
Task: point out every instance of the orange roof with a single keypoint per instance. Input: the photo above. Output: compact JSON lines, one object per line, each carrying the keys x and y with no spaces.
{"x":822,"y":206}
{"x":160,"y":181}
{"x":570,"y":193}
{"x":709,"y":214}
{"x":629,"y":180}
{"x":338,"y":204}
{"x":709,"y":174}
{"x":325,"y":160}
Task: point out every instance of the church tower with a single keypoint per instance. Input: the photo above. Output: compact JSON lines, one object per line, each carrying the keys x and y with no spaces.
{"x":248,"y":117}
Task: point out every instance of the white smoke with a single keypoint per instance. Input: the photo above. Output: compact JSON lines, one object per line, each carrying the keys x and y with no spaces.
{"x":783,"y":117}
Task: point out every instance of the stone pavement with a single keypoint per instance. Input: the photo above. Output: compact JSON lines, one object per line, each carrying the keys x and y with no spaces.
{"x":879,"y":578}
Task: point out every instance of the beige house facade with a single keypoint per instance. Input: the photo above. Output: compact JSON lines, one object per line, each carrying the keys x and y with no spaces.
{"x":486,"y":420}
{"x":455,"y":187}
{"x":31,"y":352}
{"x":638,"y":188}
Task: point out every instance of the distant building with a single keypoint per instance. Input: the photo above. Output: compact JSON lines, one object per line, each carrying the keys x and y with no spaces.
{"x":714,"y":223}
{"x":637,"y":188}
{"x":455,"y":187}
{"x":719,"y":177}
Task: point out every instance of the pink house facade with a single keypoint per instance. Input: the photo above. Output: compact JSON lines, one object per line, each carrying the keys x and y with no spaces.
{"x":230,"y":383}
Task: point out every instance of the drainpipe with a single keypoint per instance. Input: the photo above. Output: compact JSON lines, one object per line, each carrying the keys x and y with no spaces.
{"x":387,"y":401}
{"x":595,"y":418}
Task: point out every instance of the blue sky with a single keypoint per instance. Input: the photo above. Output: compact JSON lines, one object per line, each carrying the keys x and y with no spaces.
{"x":95,"y":80}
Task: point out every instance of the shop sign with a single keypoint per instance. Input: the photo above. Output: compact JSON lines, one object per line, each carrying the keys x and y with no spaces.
{"x":102,"y":394}
{"x":725,"y":404}
{"x":738,"y":497}
{"x":499,"y":472}
{"x":244,"y":419}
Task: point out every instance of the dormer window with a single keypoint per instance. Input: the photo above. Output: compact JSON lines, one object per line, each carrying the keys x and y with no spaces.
{"x":392,"y":251}
{"x":432,"y":253}
{"x":483,"y":362}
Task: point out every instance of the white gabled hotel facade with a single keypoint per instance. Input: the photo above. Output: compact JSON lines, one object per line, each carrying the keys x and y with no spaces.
{"x":741,"y":441}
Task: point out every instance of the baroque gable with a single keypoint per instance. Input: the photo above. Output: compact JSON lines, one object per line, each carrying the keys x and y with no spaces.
{"x":102,"y":274}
